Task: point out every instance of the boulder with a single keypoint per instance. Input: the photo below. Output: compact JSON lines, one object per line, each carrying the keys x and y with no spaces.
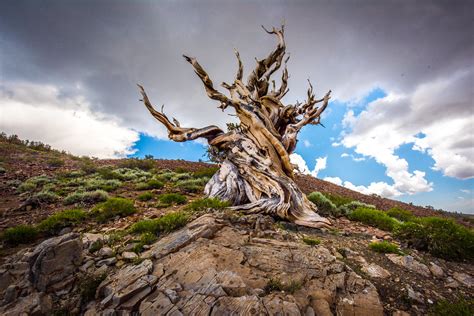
{"x":409,"y":263}
{"x":375,"y":271}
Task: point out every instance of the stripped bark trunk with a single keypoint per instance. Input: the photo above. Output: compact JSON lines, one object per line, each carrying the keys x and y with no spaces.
{"x":255,"y":174}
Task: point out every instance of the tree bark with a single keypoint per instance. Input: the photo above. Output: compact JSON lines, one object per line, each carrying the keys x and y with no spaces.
{"x":255,"y":173}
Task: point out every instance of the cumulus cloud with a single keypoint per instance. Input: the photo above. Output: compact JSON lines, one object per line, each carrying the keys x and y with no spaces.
{"x":335,"y":180}
{"x":302,"y":167}
{"x":39,"y":112}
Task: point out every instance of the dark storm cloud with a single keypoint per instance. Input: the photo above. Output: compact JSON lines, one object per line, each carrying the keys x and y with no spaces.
{"x":100,"y":49}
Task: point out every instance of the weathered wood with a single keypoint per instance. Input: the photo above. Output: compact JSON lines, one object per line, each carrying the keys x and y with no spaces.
{"x":255,"y":173}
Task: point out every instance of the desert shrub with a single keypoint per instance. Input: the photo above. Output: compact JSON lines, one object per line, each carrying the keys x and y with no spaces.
{"x":441,"y":237}
{"x":374,"y":218}
{"x":108,"y":173}
{"x":384,"y":247}
{"x":205,"y":172}
{"x":311,"y":241}
{"x":113,"y":207}
{"x":62,"y":219}
{"x":100,"y":184}
{"x":87,"y":165}
{"x":150,"y":184}
{"x":400,"y":214}
{"x":338,"y":200}
{"x":325,"y":206}
{"x":132,"y":174}
{"x":276,"y":285}
{"x":55,"y":162}
{"x":171,"y":198}
{"x":191,"y":185}
{"x":180,"y":176}
{"x":132,"y":163}
{"x":460,"y":307}
{"x":145,"y":196}
{"x":164,"y":224}
{"x":86,"y":197}
{"x":145,"y":239}
{"x":202,"y":205}
{"x":34,"y":183}
{"x":166,"y":176}
{"x":46,"y":196}
{"x":348,"y":208}
{"x":20,"y":234}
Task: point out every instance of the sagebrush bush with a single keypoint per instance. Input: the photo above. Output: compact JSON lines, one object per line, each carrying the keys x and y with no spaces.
{"x":145,"y":196}
{"x":143,"y":164}
{"x":384,"y":247}
{"x":191,"y":185}
{"x":338,"y":200}
{"x":348,"y":208}
{"x":46,"y":197}
{"x":374,"y":218}
{"x":325,"y":206}
{"x":86,"y":197}
{"x":202,"y":205}
{"x":56,"y":222}
{"x":100,"y":184}
{"x":87,"y":165}
{"x":166,"y":176}
{"x":55,"y":162}
{"x":21,"y":234}
{"x":113,"y":207}
{"x":400,"y":214}
{"x":441,"y":237}
{"x":276,"y":285}
{"x":34,"y":183}
{"x":172,"y":198}
{"x":205,"y":172}
{"x":164,"y":224}
{"x":150,"y":185}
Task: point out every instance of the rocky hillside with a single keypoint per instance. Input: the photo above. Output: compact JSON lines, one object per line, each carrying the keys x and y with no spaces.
{"x":120,"y":237}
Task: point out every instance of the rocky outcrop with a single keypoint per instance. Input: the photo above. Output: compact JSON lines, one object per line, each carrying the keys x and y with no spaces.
{"x":409,"y":263}
{"x":211,"y":267}
{"x":40,"y":275}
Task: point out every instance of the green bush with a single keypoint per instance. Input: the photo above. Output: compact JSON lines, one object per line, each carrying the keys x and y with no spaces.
{"x":311,"y":241}
{"x":202,"y":205}
{"x":166,"y":176}
{"x":461,"y":307}
{"x":150,"y":184}
{"x":164,"y":224}
{"x":34,"y":183}
{"x":143,"y":164}
{"x":146,"y":238}
{"x":88,"y":166}
{"x":113,"y":207}
{"x":145,"y":196}
{"x":191,"y":185}
{"x":205,"y":172}
{"x":56,"y":162}
{"x":441,"y":237}
{"x":62,"y":219}
{"x":20,"y":234}
{"x":338,"y":200}
{"x":171,"y":198}
{"x":374,"y":218}
{"x":86,"y":197}
{"x":325,"y":206}
{"x":348,"y":208}
{"x":108,"y":173}
{"x":384,"y":247}
{"x":100,"y":184}
{"x":400,"y":214}
{"x":46,"y":197}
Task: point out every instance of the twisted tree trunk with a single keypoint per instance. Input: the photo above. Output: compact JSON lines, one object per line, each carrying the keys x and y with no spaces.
{"x":255,"y":173}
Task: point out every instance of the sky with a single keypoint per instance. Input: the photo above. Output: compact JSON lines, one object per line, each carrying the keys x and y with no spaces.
{"x":400,"y":122}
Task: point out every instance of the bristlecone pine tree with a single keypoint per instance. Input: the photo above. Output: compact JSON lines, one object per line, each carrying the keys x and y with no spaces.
{"x":256,"y":175}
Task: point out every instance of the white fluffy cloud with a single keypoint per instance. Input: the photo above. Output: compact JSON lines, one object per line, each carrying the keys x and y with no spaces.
{"x":303,"y":167}
{"x":437,"y":118}
{"x":39,"y":112}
